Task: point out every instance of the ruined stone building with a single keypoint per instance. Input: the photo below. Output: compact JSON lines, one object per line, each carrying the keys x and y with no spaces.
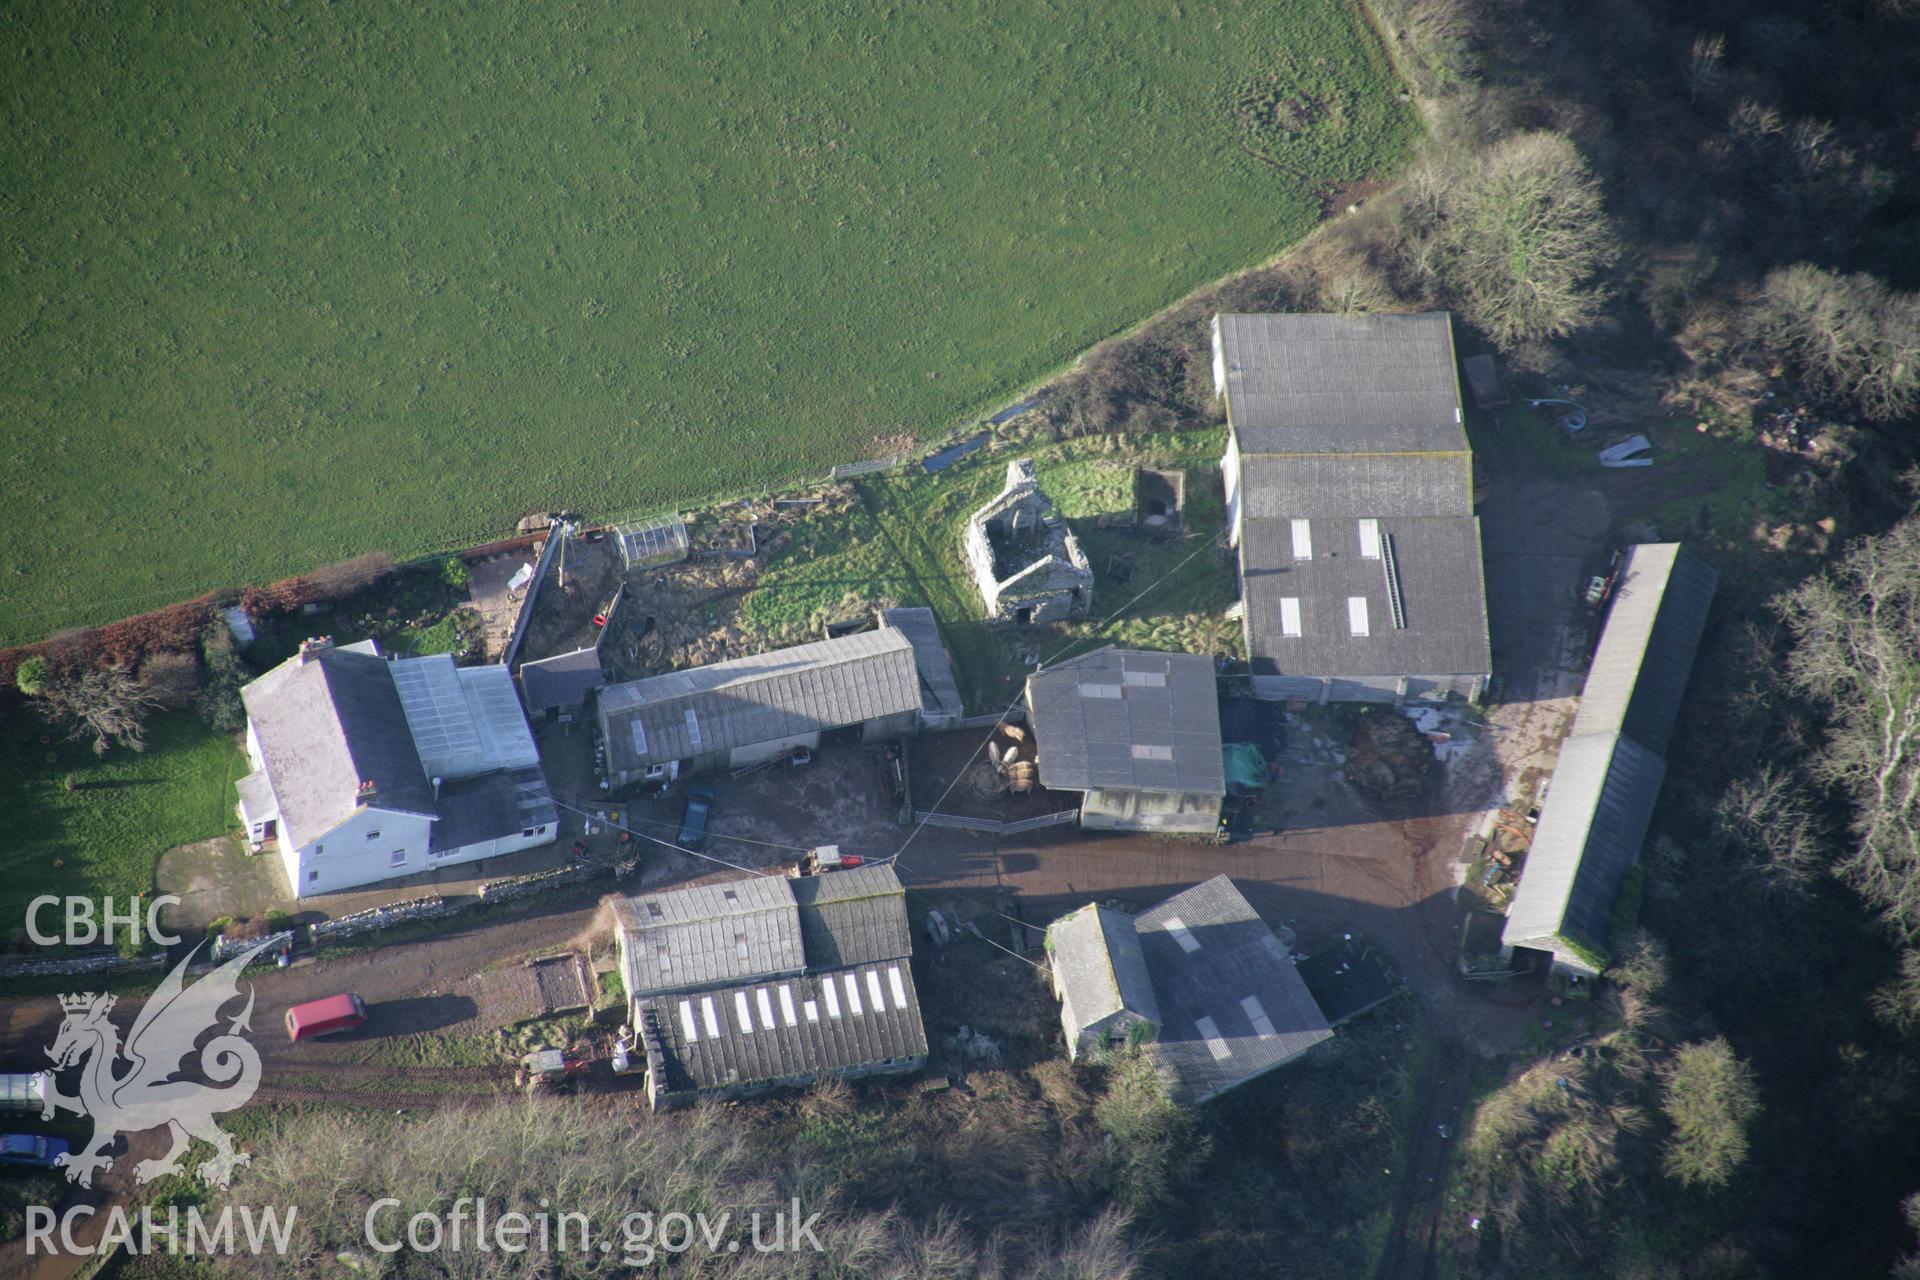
{"x":1028,"y":567}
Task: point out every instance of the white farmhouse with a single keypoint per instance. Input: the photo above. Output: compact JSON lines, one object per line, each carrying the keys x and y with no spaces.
{"x":367,"y":769}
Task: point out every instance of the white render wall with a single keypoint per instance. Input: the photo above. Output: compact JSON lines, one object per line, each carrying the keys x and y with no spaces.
{"x":761,"y":752}
{"x":1230,"y":474}
{"x":346,"y":858}
{"x":1115,"y":810}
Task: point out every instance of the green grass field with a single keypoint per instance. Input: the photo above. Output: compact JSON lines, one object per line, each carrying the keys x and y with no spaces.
{"x":125,"y":811}
{"x":286,"y":284}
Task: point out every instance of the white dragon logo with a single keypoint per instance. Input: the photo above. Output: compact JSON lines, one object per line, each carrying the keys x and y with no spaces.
{"x":146,"y":1095}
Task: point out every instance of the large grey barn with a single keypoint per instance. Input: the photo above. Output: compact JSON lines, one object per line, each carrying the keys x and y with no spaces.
{"x":1350,"y":501}
{"x":764,"y":982}
{"x":1613,"y":761}
{"x":1199,"y":980}
{"x":748,"y":710}
{"x":1137,"y":734}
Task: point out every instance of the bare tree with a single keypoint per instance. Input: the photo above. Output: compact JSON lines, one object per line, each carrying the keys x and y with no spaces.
{"x":1849,"y":336}
{"x":1517,"y":233}
{"x":1897,"y":1001}
{"x":1770,"y":814}
{"x":105,"y":704}
{"x":1705,"y":65}
{"x":1853,"y":651}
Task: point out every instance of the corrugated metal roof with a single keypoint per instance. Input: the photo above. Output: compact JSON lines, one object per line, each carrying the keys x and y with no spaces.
{"x":1647,"y":646}
{"x":326,"y":725}
{"x":1099,"y":966}
{"x":940,"y":693}
{"x":761,"y":927}
{"x":1342,"y":419}
{"x":762,"y":698}
{"x":1128,"y":719}
{"x":856,"y":916}
{"x":1327,"y":485}
{"x":686,"y":939}
{"x":1591,"y":828}
{"x":1232,"y":1005}
{"x":1442,"y":590}
{"x":562,"y":680}
{"x":1368,"y":383}
{"x":465,"y":721}
{"x":1608,"y":777}
{"x":786,"y":1028}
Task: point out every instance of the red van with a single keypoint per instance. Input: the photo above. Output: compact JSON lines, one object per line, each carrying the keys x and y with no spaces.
{"x":324,"y":1017}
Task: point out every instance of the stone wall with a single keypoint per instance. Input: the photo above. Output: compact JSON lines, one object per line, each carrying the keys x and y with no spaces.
{"x":540,"y":881}
{"x":1026,"y":563}
{"x":75,"y":966}
{"x":428,"y":908}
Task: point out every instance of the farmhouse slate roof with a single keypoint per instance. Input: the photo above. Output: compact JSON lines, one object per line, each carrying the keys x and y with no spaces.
{"x":563,"y":680}
{"x":1099,"y":966}
{"x":1232,"y":1005}
{"x":762,"y":698}
{"x":787,"y":1028}
{"x":852,"y":917}
{"x":326,"y":725}
{"x":1342,"y":384}
{"x":1441,"y":586}
{"x":256,"y":796}
{"x":493,"y":806}
{"x":1608,"y":776}
{"x":1128,"y":719}
{"x":687,"y":939}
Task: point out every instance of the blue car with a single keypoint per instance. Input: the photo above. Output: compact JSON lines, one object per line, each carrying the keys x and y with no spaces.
{"x":31,"y":1150}
{"x":693,"y":827}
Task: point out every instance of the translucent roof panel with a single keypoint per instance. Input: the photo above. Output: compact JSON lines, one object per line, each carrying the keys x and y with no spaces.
{"x":465,"y":720}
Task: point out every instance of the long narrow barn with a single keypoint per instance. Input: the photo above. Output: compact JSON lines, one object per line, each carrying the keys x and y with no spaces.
{"x":1608,"y":778}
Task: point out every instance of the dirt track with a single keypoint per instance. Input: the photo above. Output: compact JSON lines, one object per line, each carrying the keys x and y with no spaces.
{"x":1389,"y":879}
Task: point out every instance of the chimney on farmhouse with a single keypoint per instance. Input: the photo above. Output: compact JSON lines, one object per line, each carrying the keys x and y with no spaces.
{"x":367,"y":793}
{"x":313,"y":647}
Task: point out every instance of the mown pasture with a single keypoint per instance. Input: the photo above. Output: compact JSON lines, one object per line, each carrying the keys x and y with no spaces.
{"x":284,"y":284}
